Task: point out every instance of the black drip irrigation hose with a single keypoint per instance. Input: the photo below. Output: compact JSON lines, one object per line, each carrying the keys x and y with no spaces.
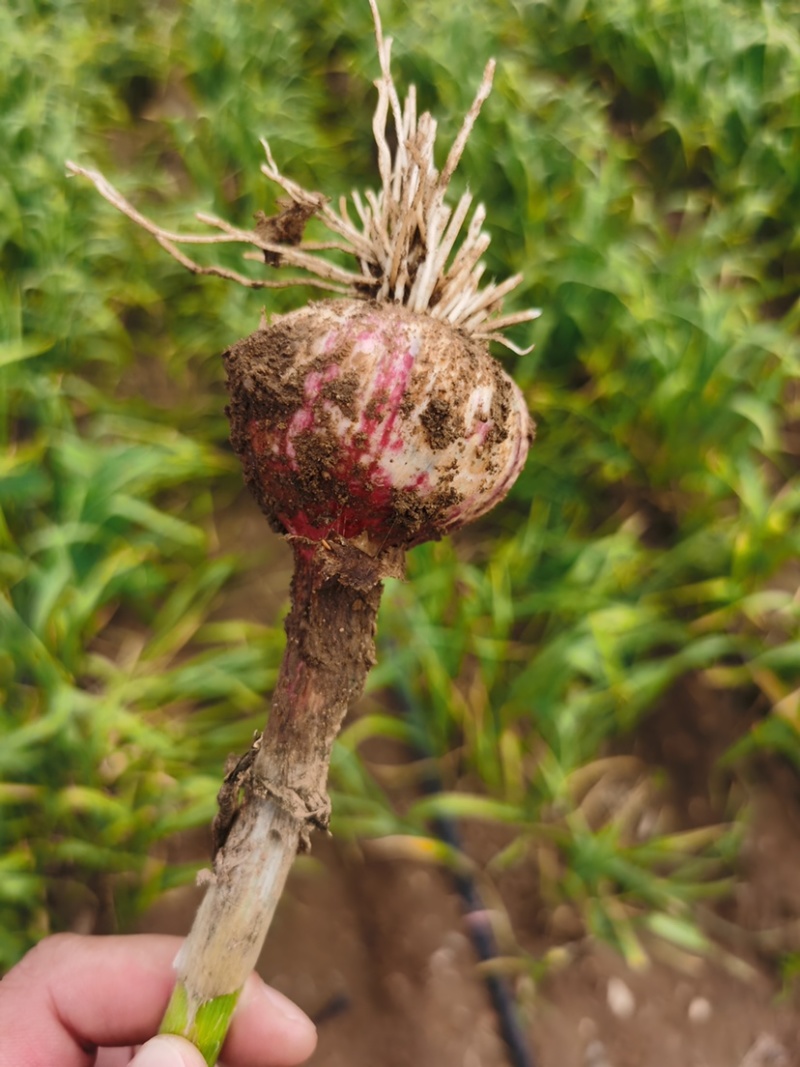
{"x":477,"y":921}
{"x":483,"y":940}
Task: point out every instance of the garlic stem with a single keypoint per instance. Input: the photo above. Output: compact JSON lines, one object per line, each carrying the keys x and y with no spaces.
{"x":329,"y":650}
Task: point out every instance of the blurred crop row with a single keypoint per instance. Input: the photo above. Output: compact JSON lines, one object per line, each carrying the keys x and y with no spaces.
{"x":641,"y":166}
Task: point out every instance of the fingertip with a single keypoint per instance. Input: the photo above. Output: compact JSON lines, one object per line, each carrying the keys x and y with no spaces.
{"x":267,"y":1020}
{"x":293,"y":1020}
{"x":167,"y":1050}
{"x":282,"y":1007}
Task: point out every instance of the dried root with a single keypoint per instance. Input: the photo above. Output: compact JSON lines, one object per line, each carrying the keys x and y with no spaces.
{"x":405,"y":239}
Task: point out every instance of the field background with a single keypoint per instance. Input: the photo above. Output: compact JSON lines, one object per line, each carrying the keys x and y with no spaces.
{"x":587,"y":705}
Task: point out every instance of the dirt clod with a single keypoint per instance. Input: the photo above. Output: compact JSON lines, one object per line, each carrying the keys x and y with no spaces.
{"x":440,"y":424}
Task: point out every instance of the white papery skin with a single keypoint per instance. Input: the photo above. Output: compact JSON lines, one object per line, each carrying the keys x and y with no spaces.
{"x":400,"y":427}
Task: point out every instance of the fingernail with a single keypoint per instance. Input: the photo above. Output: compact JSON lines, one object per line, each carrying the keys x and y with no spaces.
{"x":281,"y":1005}
{"x":166,"y":1051}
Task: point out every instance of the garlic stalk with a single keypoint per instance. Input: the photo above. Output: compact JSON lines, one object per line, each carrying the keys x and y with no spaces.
{"x":365,"y":425}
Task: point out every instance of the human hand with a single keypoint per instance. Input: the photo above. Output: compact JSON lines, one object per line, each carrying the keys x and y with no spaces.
{"x":88,"y":1001}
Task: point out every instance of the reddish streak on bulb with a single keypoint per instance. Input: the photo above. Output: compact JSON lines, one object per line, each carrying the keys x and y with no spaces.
{"x":368,"y":482}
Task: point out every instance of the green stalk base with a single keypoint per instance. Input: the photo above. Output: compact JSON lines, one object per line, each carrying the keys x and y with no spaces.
{"x":205,"y":1026}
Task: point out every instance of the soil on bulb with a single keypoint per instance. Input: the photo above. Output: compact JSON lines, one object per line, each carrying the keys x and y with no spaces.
{"x":440,"y":423}
{"x":343,"y":391}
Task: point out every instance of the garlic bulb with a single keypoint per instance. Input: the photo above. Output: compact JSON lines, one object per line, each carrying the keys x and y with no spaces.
{"x":380,"y":416}
{"x":365,"y":420}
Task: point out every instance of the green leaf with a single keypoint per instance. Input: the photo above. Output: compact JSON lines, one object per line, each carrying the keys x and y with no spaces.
{"x":680,"y":931}
{"x":18,"y":351}
{"x":463,"y":806}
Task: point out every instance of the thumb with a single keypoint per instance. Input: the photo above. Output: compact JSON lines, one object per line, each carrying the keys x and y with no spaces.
{"x":166,"y":1050}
